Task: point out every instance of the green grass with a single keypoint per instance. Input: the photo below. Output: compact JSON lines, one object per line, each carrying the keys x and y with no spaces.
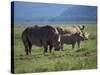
{"x":77,"y":59}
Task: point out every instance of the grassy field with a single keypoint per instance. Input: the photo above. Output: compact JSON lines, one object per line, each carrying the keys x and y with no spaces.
{"x":77,"y":59}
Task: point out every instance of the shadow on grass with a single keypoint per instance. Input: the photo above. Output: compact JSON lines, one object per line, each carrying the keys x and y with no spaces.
{"x":27,"y":57}
{"x":76,"y":53}
{"x":83,"y":52}
{"x":81,"y":49}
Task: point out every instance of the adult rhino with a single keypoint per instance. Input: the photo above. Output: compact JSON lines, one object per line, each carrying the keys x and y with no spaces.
{"x":70,"y":29}
{"x":44,"y":36}
{"x":73,"y":29}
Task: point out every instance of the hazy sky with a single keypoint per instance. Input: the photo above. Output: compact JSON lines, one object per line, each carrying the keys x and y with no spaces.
{"x":38,"y":9}
{"x":31,"y":10}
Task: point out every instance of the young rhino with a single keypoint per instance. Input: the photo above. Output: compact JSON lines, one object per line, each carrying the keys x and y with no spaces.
{"x":71,"y":39}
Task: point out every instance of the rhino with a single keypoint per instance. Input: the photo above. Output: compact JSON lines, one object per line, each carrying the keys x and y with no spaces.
{"x":71,"y":39}
{"x":70,"y":29}
{"x":42,"y":36}
{"x":73,"y":29}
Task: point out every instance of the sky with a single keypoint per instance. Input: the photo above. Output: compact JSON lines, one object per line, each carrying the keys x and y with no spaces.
{"x":38,"y":9}
{"x":24,"y":11}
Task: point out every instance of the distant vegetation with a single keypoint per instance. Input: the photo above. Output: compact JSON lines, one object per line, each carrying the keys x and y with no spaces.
{"x":77,"y":59}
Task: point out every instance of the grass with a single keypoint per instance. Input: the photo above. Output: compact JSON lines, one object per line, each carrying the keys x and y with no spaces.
{"x":77,"y":59}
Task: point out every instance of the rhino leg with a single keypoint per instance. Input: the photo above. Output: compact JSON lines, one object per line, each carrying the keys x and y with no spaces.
{"x":45,"y":49}
{"x":26,"y":50}
{"x":62,"y":47}
{"x":30,"y":47}
{"x":78,"y":43}
{"x":73,"y":45}
{"x":50,"y":48}
{"x":26,"y":46}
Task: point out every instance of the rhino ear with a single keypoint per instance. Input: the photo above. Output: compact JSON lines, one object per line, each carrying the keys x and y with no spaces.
{"x":82,"y":27}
